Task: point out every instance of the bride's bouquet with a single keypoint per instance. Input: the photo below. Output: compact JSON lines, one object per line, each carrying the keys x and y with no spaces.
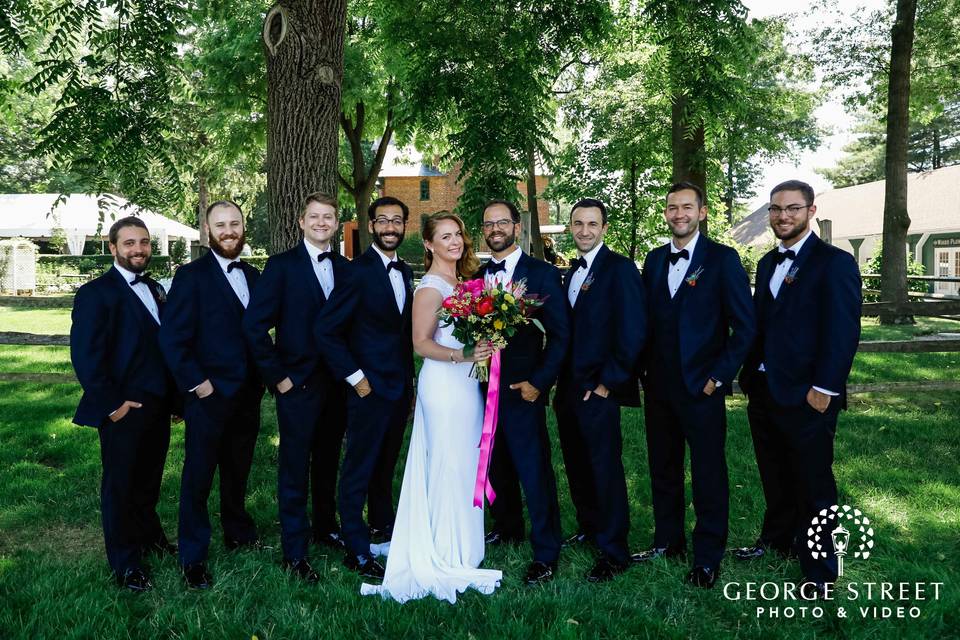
{"x":488,"y":313}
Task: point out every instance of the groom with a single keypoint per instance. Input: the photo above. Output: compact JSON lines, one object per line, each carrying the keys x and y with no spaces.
{"x":364,"y":335}
{"x":528,"y":370}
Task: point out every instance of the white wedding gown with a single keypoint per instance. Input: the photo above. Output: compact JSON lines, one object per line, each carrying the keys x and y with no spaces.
{"x":437,"y":541}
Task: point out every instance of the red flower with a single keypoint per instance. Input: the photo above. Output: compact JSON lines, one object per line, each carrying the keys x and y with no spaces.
{"x":485,"y":306}
{"x":450,"y":303}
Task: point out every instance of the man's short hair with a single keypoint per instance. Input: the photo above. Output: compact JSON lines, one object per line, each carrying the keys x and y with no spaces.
{"x":384,"y":201}
{"x":586,"y":203}
{"x":223,"y":203}
{"x":514,"y":212}
{"x":683,"y":186}
{"x":129,"y":221}
{"x":795,"y":185}
{"x":320,"y":198}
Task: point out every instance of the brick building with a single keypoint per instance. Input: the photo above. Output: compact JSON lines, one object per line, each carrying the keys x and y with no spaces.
{"x":426,"y":190}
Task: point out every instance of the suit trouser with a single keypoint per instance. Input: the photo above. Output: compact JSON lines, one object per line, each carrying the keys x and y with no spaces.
{"x":375,"y":427}
{"x":221,"y":432}
{"x":133,"y":452}
{"x":794,"y":447}
{"x":674,"y":418}
{"x":507,"y":509}
{"x":592,"y":446}
{"x":325,"y":460}
{"x":523,"y":427}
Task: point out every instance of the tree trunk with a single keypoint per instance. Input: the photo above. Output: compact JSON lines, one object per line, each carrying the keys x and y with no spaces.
{"x":689,"y":151}
{"x":536,"y":242}
{"x":204,"y":202}
{"x":634,"y":218}
{"x":937,"y":157}
{"x":304,"y":51}
{"x":728,"y":199}
{"x":896,"y":220}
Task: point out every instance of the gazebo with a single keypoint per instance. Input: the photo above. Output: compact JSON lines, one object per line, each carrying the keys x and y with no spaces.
{"x":82,"y":217}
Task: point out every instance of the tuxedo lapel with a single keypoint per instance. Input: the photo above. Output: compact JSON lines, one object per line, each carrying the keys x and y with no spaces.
{"x":381,"y":274}
{"x":523,"y":266}
{"x":130,"y":298}
{"x":786,"y":288}
{"x":314,"y":286}
{"x":696,"y":265}
{"x":222,"y":284}
{"x":596,"y":268}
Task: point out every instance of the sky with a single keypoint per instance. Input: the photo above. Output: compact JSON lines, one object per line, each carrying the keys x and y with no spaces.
{"x":831,"y":113}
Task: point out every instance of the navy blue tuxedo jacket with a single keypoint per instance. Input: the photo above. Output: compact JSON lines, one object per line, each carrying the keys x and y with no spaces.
{"x":527,"y":356}
{"x":808,"y":335}
{"x":609,"y":329}
{"x":362,"y":328}
{"x":288,"y":297}
{"x":114,"y":347}
{"x":711,"y":317}
{"x":201,"y":335}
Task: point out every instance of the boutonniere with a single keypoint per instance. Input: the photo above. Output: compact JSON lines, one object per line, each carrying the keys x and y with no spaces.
{"x":693,"y":277}
{"x":791,"y":275}
{"x":161,"y":294}
{"x":586,"y":283}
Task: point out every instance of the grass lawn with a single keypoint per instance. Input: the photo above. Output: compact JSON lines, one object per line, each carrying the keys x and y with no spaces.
{"x":31,"y":320}
{"x":898,"y":459}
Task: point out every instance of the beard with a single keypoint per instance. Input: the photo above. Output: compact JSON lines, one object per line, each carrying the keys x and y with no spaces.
{"x":798,"y":230}
{"x":229,"y":254}
{"x":125,"y":262}
{"x":499,"y":244}
{"x":383,"y":240}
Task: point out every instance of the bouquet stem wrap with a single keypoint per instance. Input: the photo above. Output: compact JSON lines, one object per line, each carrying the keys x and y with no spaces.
{"x":490,"y":415}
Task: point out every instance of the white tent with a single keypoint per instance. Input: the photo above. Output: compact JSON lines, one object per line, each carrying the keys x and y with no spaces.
{"x":82,"y":217}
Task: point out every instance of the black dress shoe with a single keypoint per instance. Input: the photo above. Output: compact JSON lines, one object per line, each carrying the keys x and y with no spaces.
{"x":380,"y":535}
{"x":197,"y":577}
{"x":302,"y":569}
{"x":577,"y":539}
{"x":247,"y":545}
{"x":496,"y":537}
{"x":135,"y":580}
{"x":539,"y":572}
{"x":760,"y":549}
{"x":812,"y":590}
{"x":605,"y":569}
{"x":702,"y":576}
{"x":160,"y":548}
{"x":658,"y":552}
{"x":331,"y":539}
{"x":366,"y":566}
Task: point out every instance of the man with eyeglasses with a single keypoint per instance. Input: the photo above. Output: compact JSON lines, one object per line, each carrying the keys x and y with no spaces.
{"x":530,"y":366}
{"x":807,"y":300}
{"x":364,"y":335}
{"x":294,"y":287}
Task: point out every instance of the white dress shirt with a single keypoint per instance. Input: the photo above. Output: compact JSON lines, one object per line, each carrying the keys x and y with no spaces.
{"x":142,"y":290}
{"x":776,"y":281}
{"x":578,"y":277}
{"x":238,"y":281}
{"x":678,"y":272}
{"x":511,"y":264}
{"x":323,"y":270}
{"x":399,"y":292}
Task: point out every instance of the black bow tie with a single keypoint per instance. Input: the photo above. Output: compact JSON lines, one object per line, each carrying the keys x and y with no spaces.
{"x":496,"y":267}
{"x":578,"y":263}
{"x":789,"y":254}
{"x":395,"y":264}
{"x":233,"y":265}
{"x":675,"y":256}
{"x":326,"y":256}
{"x":140,"y":277}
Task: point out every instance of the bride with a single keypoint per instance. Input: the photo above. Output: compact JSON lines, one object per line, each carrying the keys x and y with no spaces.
{"x":437,"y":540}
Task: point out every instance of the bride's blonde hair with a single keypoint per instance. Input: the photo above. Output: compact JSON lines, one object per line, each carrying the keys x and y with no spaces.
{"x":468,"y":263}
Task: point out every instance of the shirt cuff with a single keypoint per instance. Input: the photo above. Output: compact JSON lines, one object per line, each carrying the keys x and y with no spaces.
{"x":822,"y":390}
{"x":355,"y":377}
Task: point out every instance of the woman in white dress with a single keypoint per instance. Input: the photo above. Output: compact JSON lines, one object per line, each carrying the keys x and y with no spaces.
{"x":437,"y":541}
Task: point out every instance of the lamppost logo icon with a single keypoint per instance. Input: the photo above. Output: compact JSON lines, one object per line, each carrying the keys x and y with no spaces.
{"x":834,"y":529}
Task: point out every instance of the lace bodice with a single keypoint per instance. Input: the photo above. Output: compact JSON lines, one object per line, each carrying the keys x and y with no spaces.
{"x":443,"y":335}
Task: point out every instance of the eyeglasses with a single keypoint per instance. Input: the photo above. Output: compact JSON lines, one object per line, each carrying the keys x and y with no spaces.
{"x":503,"y":224}
{"x":791,"y":210}
{"x":384,"y":222}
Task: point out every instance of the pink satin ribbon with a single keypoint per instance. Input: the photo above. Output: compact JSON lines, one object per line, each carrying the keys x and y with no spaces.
{"x":490,"y":412}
